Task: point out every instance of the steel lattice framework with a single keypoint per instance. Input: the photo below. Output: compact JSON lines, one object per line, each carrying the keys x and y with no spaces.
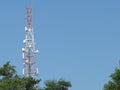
{"x":29,"y":51}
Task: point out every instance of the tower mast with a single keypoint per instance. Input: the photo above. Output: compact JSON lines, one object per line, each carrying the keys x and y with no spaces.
{"x":29,"y":51}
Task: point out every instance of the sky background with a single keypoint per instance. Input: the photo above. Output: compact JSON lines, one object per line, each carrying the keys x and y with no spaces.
{"x":78,"y":40}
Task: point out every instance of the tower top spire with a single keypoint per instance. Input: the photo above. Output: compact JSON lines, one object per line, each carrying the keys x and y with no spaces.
{"x":28,"y":18}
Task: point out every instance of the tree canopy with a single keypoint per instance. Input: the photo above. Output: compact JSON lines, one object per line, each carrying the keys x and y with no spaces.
{"x":10,"y":80}
{"x":114,"y":83}
{"x":57,"y":85}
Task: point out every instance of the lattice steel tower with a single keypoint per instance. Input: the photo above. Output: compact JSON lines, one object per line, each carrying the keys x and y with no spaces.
{"x":29,"y":51}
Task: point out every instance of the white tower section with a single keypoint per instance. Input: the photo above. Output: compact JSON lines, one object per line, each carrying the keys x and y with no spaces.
{"x":29,"y":51}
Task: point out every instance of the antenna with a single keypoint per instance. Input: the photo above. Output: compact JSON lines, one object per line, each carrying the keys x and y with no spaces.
{"x":29,"y":52}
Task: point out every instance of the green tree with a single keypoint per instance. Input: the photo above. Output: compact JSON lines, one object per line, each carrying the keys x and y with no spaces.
{"x":7,"y":71}
{"x":57,"y":85}
{"x":114,"y":83}
{"x":9,"y":80}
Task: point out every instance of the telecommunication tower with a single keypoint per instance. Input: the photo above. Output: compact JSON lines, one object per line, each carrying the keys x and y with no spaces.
{"x":29,"y":51}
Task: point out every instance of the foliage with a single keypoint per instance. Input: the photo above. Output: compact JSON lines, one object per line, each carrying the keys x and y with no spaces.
{"x":57,"y":85}
{"x":114,"y":83}
{"x":9,"y":80}
{"x":7,"y":71}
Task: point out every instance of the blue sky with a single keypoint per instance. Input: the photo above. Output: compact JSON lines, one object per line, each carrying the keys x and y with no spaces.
{"x":78,"y":40}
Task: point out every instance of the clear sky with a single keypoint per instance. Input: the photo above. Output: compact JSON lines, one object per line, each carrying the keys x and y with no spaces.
{"x":78,"y":40}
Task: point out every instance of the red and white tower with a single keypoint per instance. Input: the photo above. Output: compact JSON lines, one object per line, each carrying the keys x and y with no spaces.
{"x":29,"y":51}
